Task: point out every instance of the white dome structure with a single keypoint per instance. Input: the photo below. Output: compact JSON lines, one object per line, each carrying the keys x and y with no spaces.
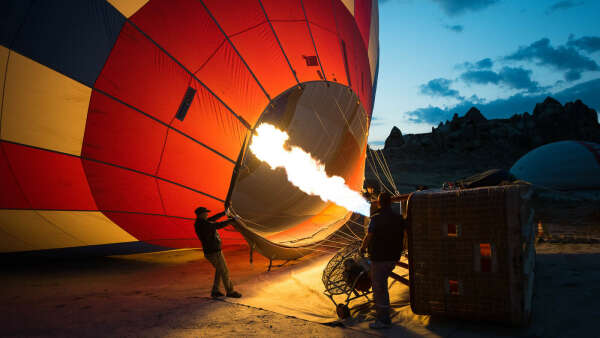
{"x":564,"y":165}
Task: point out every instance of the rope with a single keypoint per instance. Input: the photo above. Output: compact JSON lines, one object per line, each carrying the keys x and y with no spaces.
{"x":386,"y":169}
{"x":374,"y":170}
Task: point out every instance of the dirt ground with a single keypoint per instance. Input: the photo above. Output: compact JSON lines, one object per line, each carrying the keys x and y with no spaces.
{"x":165,"y":293}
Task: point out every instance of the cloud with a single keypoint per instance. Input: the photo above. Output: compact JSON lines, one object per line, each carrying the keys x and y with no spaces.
{"x":511,"y":77}
{"x":455,"y":28}
{"x":519,"y":78}
{"x":560,"y":58}
{"x":503,"y":108}
{"x":486,"y":63}
{"x":439,"y":87}
{"x":589,"y":44}
{"x":480,"y":77}
{"x":458,"y":7}
{"x":563,"y":5}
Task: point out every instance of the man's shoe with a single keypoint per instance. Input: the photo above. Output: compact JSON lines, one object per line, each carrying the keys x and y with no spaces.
{"x":234,"y":294}
{"x":216,"y":294}
{"x":380,"y":325}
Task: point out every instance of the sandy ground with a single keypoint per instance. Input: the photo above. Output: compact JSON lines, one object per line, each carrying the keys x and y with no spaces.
{"x":164,"y":294}
{"x":157,"y":294}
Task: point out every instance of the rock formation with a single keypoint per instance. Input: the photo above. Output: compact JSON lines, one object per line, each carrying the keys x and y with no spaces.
{"x":471,"y":143}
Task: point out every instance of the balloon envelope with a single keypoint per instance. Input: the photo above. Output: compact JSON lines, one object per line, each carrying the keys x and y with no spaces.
{"x":119,"y":118}
{"x":565,"y":165}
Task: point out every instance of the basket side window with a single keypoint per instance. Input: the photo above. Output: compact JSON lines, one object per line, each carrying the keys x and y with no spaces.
{"x":453,"y":287}
{"x":451,"y":229}
{"x":484,"y":258}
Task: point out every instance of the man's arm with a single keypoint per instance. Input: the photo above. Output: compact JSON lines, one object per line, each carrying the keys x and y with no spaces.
{"x":216,"y":216}
{"x":221,"y":225}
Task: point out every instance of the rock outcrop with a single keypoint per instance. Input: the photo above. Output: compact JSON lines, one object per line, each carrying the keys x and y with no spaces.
{"x":471,"y":143}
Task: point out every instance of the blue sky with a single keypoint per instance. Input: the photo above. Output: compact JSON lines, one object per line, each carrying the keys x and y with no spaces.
{"x":440,"y":57}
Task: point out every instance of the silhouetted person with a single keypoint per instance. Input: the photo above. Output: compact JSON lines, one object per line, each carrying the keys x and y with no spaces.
{"x":384,"y":243}
{"x":206,"y":229}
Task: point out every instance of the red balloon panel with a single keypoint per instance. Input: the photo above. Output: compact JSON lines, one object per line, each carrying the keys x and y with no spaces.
{"x":227,"y":76}
{"x":330,"y":52}
{"x":140,"y":74}
{"x":150,"y":227}
{"x":189,"y":163}
{"x":182,"y":202}
{"x":263,"y":54}
{"x":283,"y":10}
{"x":298,"y":46}
{"x":120,"y":135}
{"x":117,"y":189}
{"x":320,"y":12}
{"x":208,"y":121}
{"x":362,"y":16}
{"x":48,"y":179}
{"x":183,"y":28}
{"x":356,"y":55}
{"x":11,"y":196}
{"x":238,"y":16}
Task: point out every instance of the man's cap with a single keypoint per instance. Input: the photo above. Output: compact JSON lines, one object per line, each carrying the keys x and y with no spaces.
{"x":200,"y":210}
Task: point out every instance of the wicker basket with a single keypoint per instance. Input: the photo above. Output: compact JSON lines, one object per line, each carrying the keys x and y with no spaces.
{"x":472,"y":253}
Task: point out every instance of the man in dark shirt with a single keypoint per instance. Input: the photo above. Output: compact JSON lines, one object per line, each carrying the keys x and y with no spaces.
{"x":206,"y":229}
{"x":384,"y":242}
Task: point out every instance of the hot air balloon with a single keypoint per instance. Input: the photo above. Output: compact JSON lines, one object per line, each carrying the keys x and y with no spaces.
{"x":563,"y":165}
{"x":119,"y":118}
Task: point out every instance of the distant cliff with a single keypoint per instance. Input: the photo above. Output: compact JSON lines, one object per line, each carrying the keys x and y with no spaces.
{"x":472,"y":143}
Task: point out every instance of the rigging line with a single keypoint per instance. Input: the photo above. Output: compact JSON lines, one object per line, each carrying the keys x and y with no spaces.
{"x":318,"y":250}
{"x":336,"y":242}
{"x":388,"y":169}
{"x":374,"y":170}
{"x":343,"y":115}
{"x":348,"y":122}
{"x":235,"y":214}
{"x":380,"y":163}
{"x":235,"y":49}
{"x":331,"y":246}
{"x":339,"y":240}
{"x":319,"y":118}
{"x":345,"y":235}
{"x":364,"y":228}
{"x":279,"y":42}
{"x":251,"y":222}
{"x":386,"y":174}
{"x":342,"y":236}
{"x":390,"y":175}
{"x":351,"y":234}
{"x":351,"y":238}
{"x":352,"y":231}
{"x":313,"y":41}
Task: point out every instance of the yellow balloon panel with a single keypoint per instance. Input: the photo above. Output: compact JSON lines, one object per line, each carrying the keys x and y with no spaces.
{"x":350,"y":5}
{"x":127,"y":7}
{"x":42,"y":107}
{"x":31,"y":228}
{"x":91,"y":227}
{"x":40,"y":230}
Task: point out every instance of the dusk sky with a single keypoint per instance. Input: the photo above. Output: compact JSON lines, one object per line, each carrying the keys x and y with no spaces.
{"x":440,"y":57}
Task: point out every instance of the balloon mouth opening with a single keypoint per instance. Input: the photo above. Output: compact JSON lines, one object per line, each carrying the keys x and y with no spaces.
{"x":326,"y":121}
